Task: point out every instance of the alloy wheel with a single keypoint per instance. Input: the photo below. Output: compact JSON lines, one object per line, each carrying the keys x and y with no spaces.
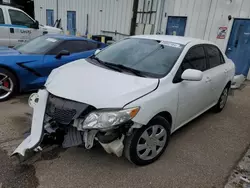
{"x":224,"y":98}
{"x":6,"y":86}
{"x":151,"y":142}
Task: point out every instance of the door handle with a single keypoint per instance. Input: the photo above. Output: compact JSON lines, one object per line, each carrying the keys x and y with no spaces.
{"x":208,"y":79}
{"x":11,"y":30}
{"x":225,"y":71}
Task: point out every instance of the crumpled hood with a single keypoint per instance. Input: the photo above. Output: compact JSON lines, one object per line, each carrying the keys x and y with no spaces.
{"x":100,"y":87}
{"x":5,"y":51}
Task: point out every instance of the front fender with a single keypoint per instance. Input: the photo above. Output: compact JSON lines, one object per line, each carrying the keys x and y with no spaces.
{"x":163,"y":99}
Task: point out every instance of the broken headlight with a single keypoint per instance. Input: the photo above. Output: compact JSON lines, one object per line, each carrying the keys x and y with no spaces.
{"x":107,"y":119}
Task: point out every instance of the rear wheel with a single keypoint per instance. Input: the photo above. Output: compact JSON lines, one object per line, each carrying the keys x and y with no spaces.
{"x":148,"y":143}
{"x":222,"y":100}
{"x":8,"y":84}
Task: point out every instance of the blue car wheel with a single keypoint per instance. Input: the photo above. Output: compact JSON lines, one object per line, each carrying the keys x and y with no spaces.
{"x":7,"y":84}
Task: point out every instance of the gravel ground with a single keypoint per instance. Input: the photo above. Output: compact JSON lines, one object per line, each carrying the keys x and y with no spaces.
{"x":200,"y":155}
{"x":240,"y":176}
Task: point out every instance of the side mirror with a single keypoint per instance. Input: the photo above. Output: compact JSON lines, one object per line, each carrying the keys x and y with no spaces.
{"x":97,"y":51}
{"x":192,"y":75}
{"x":35,"y":25}
{"x":62,"y":53}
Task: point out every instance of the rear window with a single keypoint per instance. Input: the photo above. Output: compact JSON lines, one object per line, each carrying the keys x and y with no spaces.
{"x":1,"y":17}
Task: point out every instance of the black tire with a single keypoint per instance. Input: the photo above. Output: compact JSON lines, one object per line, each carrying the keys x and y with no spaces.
{"x":14,"y":81}
{"x":130,"y":150}
{"x":218,"y":108}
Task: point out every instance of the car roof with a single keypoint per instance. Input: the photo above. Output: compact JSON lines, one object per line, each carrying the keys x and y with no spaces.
{"x":9,"y":6}
{"x":69,"y":37}
{"x":171,"y":38}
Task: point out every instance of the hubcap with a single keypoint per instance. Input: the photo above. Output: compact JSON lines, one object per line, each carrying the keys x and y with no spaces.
{"x":151,"y":142}
{"x":224,"y":98}
{"x":6,"y":86}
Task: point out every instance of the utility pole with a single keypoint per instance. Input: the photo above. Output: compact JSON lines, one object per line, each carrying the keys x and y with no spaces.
{"x":133,"y":20}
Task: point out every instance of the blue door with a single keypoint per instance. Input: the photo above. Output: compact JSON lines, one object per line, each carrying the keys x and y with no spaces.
{"x":176,"y":25}
{"x":238,"y":48}
{"x":71,"y":22}
{"x":49,"y":17}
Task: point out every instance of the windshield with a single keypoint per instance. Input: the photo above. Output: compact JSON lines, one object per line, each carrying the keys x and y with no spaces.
{"x":39,"y":45}
{"x":151,"y":57}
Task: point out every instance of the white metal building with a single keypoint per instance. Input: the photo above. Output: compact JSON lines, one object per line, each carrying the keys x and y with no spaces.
{"x":103,"y":15}
{"x":214,"y":20}
{"x":204,"y":17}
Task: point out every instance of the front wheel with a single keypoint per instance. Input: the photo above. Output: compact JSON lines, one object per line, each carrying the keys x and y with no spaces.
{"x":148,"y":143}
{"x":7,"y":84}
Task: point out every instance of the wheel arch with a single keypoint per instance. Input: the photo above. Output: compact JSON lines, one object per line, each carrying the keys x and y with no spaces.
{"x":229,"y":83}
{"x":166,"y":115}
{"x":14,"y":73}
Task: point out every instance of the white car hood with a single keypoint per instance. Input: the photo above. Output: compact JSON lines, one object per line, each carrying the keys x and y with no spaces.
{"x":100,"y":87}
{"x":51,"y":30}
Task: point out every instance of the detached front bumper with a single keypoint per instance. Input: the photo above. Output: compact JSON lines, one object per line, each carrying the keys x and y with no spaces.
{"x":52,"y":124}
{"x":36,"y":136}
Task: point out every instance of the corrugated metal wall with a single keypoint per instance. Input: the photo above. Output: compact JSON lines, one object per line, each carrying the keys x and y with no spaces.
{"x":40,"y":7}
{"x":104,"y":15}
{"x":204,"y":17}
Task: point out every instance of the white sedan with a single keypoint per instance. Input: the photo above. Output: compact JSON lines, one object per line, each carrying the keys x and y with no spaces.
{"x":131,"y":96}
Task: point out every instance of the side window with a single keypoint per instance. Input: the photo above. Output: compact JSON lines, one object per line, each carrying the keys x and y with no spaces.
{"x":92,"y":45}
{"x":73,"y":46}
{"x":1,"y":17}
{"x":214,"y":55}
{"x":194,"y":59}
{"x":19,"y":18}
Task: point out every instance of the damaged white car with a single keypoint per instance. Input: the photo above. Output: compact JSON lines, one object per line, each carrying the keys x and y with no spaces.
{"x":130,"y":96}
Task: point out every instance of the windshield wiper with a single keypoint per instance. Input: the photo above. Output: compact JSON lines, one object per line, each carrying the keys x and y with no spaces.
{"x":105,"y":64}
{"x":118,"y":67}
{"x":128,"y":69}
{"x":96,"y":58}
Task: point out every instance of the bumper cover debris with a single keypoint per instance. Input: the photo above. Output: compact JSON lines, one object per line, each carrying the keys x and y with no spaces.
{"x":54,"y":123}
{"x":36,"y":136}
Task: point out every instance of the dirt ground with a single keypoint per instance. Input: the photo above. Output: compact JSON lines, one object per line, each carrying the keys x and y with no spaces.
{"x":200,"y":155}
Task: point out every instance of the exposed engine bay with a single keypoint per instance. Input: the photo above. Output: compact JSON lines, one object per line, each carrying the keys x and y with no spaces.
{"x":61,"y":121}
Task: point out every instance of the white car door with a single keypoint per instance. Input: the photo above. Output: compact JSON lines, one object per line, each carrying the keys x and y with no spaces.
{"x":22,"y":27}
{"x":217,"y":70}
{"x":194,"y":96}
{"x":4,"y":30}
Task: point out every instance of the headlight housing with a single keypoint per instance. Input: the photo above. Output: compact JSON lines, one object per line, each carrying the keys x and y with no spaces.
{"x":106,"y":119}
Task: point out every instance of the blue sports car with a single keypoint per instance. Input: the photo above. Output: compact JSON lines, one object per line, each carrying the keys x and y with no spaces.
{"x":26,"y":67}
